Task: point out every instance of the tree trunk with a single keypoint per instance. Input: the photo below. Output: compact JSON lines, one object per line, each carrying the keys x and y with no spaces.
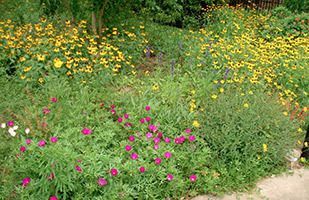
{"x":94,"y":22}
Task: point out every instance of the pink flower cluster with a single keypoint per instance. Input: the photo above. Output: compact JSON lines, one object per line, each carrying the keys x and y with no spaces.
{"x":156,"y":137}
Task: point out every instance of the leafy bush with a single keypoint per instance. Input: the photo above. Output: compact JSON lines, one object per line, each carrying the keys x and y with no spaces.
{"x":297,"y":5}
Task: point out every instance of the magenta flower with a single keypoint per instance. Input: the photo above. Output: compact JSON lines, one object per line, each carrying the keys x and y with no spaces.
{"x":147,"y":108}
{"x":188,"y":130}
{"x":53,"y":198}
{"x":148,"y":135}
{"x":78,"y":168}
{"x":126,"y":116}
{"x":113,"y":111}
{"x":152,"y":128}
{"x":160,"y":135}
{"x":131,"y":138}
{"x":28,"y":141}
{"x":167,"y":154}
{"x":26,"y":181}
{"x":86,"y":131}
{"x":113,"y":106}
{"x":10,"y":123}
{"x":191,"y":138}
{"x":169,"y":177}
{"x":23,"y":149}
{"x":177,"y":140}
{"x":102,"y":182}
{"x":142,"y":169}
{"x":193,"y":178}
{"x":128,"y":124}
{"x":53,"y":139}
{"x":41,"y":143}
{"x":156,"y":140}
{"x":134,"y":156}
{"x":114,"y":172}
{"x":182,"y":138}
{"x":158,"y":161}
{"x":119,"y":119}
{"x":46,"y":111}
{"x":167,"y":140}
{"x":147,"y":119}
{"x":156,"y":146}
{"x":142,"y":120}
{"x":128,"y":148}
{"x":53,"y":99}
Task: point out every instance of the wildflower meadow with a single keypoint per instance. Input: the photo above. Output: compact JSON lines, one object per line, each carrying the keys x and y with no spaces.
{"x":148,"y":100}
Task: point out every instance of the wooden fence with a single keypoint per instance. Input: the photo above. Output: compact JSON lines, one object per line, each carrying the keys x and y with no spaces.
{"x":257,"y":4}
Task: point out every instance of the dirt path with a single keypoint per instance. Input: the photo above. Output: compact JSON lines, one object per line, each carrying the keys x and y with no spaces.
{"x":284,"y":187}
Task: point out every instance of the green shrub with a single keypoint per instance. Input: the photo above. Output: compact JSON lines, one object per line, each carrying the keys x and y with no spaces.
{"x":297,"y":5}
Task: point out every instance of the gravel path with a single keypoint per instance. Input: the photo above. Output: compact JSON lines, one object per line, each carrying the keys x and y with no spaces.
{"x":283,"y":187}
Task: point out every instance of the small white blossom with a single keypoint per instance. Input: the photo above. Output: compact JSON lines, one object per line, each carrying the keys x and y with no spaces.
{"x":3,"y":125}
{"x":12,"y":132}
{"x":27,"y":130}
{"x":15,"y":127}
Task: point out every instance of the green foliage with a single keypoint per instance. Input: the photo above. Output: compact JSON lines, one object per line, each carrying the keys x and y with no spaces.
{"x":297,"y":5}
{"x":20,"y":11}
{"x":282,"y":22}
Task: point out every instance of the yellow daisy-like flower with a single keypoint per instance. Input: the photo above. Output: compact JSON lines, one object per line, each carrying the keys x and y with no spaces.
{"x":221,"y":90}
{"x":41,"y":80}
{"x":40,"y":57}
{"x":57,"y":63}
{"x":155,"y":87}
{"x":27,"y":69}
{"x":214,"y":96}
{"x":246,"y":105}
{"x":285,"y":113}
{"x":265,"y":147}
{"x":196,"y":124}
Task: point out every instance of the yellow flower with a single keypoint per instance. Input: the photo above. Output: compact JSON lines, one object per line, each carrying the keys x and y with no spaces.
{"x":27,"y":69}
{"x":214,"y":96}
{"x":265,"y":148}
{"x":57,"y":63}
{"x":246,"y":105}
{"x":285,"y":113}
{"x":41,"y":57}
{"x":302,"y":159}
{"x":155,"y":87}
{"x":22,"y":77}
{"x":41,"y":80}
{"x":193,"y":92}
{"x":196,"y":124}
{"x":300,"y":130}
{"x":221,"y":90}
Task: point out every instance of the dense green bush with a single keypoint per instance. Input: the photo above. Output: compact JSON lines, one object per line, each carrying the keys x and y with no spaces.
{"x":297,"y":5}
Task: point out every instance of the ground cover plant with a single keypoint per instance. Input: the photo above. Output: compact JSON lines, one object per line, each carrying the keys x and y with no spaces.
{"x":148,"y":111}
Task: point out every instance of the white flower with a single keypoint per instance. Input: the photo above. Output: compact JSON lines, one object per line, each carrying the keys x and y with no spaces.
{"x":3,"y":125}
{"x":27,"y":130}
{"x":15,"y":127}
{"x":12,"y":132}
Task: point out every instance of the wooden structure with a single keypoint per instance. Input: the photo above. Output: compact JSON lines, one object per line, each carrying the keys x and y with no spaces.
{"x":257,"y":4}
